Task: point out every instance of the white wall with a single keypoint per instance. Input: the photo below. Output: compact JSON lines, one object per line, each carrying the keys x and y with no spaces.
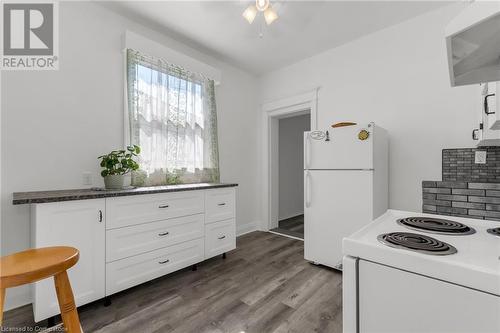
{"x":55,"y":123}
{"x":291,"y":165}
{"x":398,"y":78}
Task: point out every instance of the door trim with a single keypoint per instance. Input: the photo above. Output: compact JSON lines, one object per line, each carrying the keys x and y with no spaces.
{"x":271,"y":112}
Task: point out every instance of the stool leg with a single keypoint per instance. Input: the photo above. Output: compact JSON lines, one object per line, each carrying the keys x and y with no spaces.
{"x":66,"y":300}
{"x":2,"y":299}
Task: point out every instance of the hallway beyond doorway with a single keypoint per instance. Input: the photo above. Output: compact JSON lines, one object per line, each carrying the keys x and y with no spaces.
{"x":293,"y":226}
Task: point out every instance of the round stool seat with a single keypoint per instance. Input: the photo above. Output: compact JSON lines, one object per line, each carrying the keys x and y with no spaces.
{"x":36,"y":264}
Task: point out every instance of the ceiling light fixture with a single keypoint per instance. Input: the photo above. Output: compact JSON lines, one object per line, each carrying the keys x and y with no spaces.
{"x":270,"y":15}
{"x":251,"y":12}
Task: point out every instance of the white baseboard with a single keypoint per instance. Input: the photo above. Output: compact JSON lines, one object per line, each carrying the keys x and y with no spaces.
{"x":247,"y":227}
{"x":17,"y":297}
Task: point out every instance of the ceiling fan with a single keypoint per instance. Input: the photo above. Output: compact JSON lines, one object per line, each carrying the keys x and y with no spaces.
{"x":262,"y":6}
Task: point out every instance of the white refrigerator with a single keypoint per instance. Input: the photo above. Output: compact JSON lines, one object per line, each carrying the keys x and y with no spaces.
{"x":345,"y":187}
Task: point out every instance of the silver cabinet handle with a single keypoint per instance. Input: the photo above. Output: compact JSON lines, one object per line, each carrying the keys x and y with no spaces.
{"x":222,"y":237}
{"x":163,"y":233}
{"x":163,"y":262}
{"x":222,"y":204}
{"x":163,"y":206}
{"x":100,"y":215}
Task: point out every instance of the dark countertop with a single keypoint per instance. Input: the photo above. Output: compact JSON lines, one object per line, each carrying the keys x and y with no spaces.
{"x":20,"y":198}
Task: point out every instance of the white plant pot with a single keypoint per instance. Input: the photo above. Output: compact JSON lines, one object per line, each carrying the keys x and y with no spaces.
{"x":113,"y":182}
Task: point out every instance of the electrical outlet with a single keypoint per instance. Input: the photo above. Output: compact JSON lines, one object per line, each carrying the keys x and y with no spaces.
{"x":480,"y":157}
{"x":87,"y":178}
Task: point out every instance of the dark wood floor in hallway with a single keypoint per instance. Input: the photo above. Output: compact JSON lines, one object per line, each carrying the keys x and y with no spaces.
{"x":265,"y":285}
{"x":293,"y":226}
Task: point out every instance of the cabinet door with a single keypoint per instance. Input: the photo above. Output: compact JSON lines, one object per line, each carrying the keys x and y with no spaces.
{"x":488,"y":133}
{"x":79,"y":224}
{"x":489,"y":103}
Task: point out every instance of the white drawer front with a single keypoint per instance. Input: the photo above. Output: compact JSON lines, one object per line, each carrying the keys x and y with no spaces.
{"x":128,"y":272}
{"x":133,"y":240}
{"x":220,"y":237}
{"x":137,"y":209}
{"x":219,"y":204}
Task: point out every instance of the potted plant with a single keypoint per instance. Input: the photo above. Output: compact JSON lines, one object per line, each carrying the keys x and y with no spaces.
{"x":118,"y":163}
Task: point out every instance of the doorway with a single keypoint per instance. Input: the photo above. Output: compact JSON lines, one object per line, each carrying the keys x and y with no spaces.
{"x":272,"y":112}
{"x":290,"y":154}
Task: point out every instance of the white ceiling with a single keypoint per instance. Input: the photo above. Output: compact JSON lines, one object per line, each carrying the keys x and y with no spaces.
{"x":305,"y":28}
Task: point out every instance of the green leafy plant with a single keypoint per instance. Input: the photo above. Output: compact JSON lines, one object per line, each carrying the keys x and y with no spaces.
{"x":174,"y":177}
{"x":120,"y":162}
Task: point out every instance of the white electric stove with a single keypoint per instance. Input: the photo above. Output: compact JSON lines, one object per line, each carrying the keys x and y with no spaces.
{"x":414,"y":272}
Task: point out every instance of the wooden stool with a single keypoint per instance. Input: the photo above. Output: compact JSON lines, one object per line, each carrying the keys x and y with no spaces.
{"x":37,"y":264}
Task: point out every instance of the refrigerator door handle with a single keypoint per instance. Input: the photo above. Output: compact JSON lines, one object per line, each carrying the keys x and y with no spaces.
{"x":307,"y":149}
{"x":308,"y":189}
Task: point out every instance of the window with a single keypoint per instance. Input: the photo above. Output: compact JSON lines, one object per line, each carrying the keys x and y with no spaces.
{"x":173,"y":118}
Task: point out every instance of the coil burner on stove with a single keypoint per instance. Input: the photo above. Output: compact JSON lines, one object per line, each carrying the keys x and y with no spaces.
{"x":415,"y":242}
{"x":494,"y":231}
{"x":436,"y":226}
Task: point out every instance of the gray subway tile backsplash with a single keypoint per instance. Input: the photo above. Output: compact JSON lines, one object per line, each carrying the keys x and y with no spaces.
{"x":467,"y":189}
{"x":437,"y":190}
{"x":458,"y":165}
{"x":474,"y":202}
{"x":491,"y":200}
{"x":451,"y":197}
{"x":470,"y":205}
{"x":493,"y":193}
{"x":485,"y":186}
{"x":462,"y":191}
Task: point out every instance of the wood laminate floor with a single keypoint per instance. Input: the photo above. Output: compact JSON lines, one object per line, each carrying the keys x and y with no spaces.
{"x":265,"y":285}
{"x":293,"y":226}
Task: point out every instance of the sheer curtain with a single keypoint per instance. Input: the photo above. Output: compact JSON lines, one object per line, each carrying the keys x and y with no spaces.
{"x":173,"y":118}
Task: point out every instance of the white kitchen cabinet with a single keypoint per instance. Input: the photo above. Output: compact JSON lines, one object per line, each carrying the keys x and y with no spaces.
{"x":79,"y":224}
{"x":128,"y":240}
{"x":490,"y":96}
{"x":487,"y":130}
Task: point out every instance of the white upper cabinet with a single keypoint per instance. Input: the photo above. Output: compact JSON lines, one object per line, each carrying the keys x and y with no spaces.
{"x":487,"y":131}
{"x":473,"y":44}
{"x":490,"y":103}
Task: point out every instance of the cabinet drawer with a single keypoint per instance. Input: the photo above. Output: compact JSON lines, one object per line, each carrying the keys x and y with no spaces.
{"x":220,"y":237}
{"x":133,"y":240}
{"x":128,"y":272}
{"x":219,"y":205}
{"x":137,"y":209}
